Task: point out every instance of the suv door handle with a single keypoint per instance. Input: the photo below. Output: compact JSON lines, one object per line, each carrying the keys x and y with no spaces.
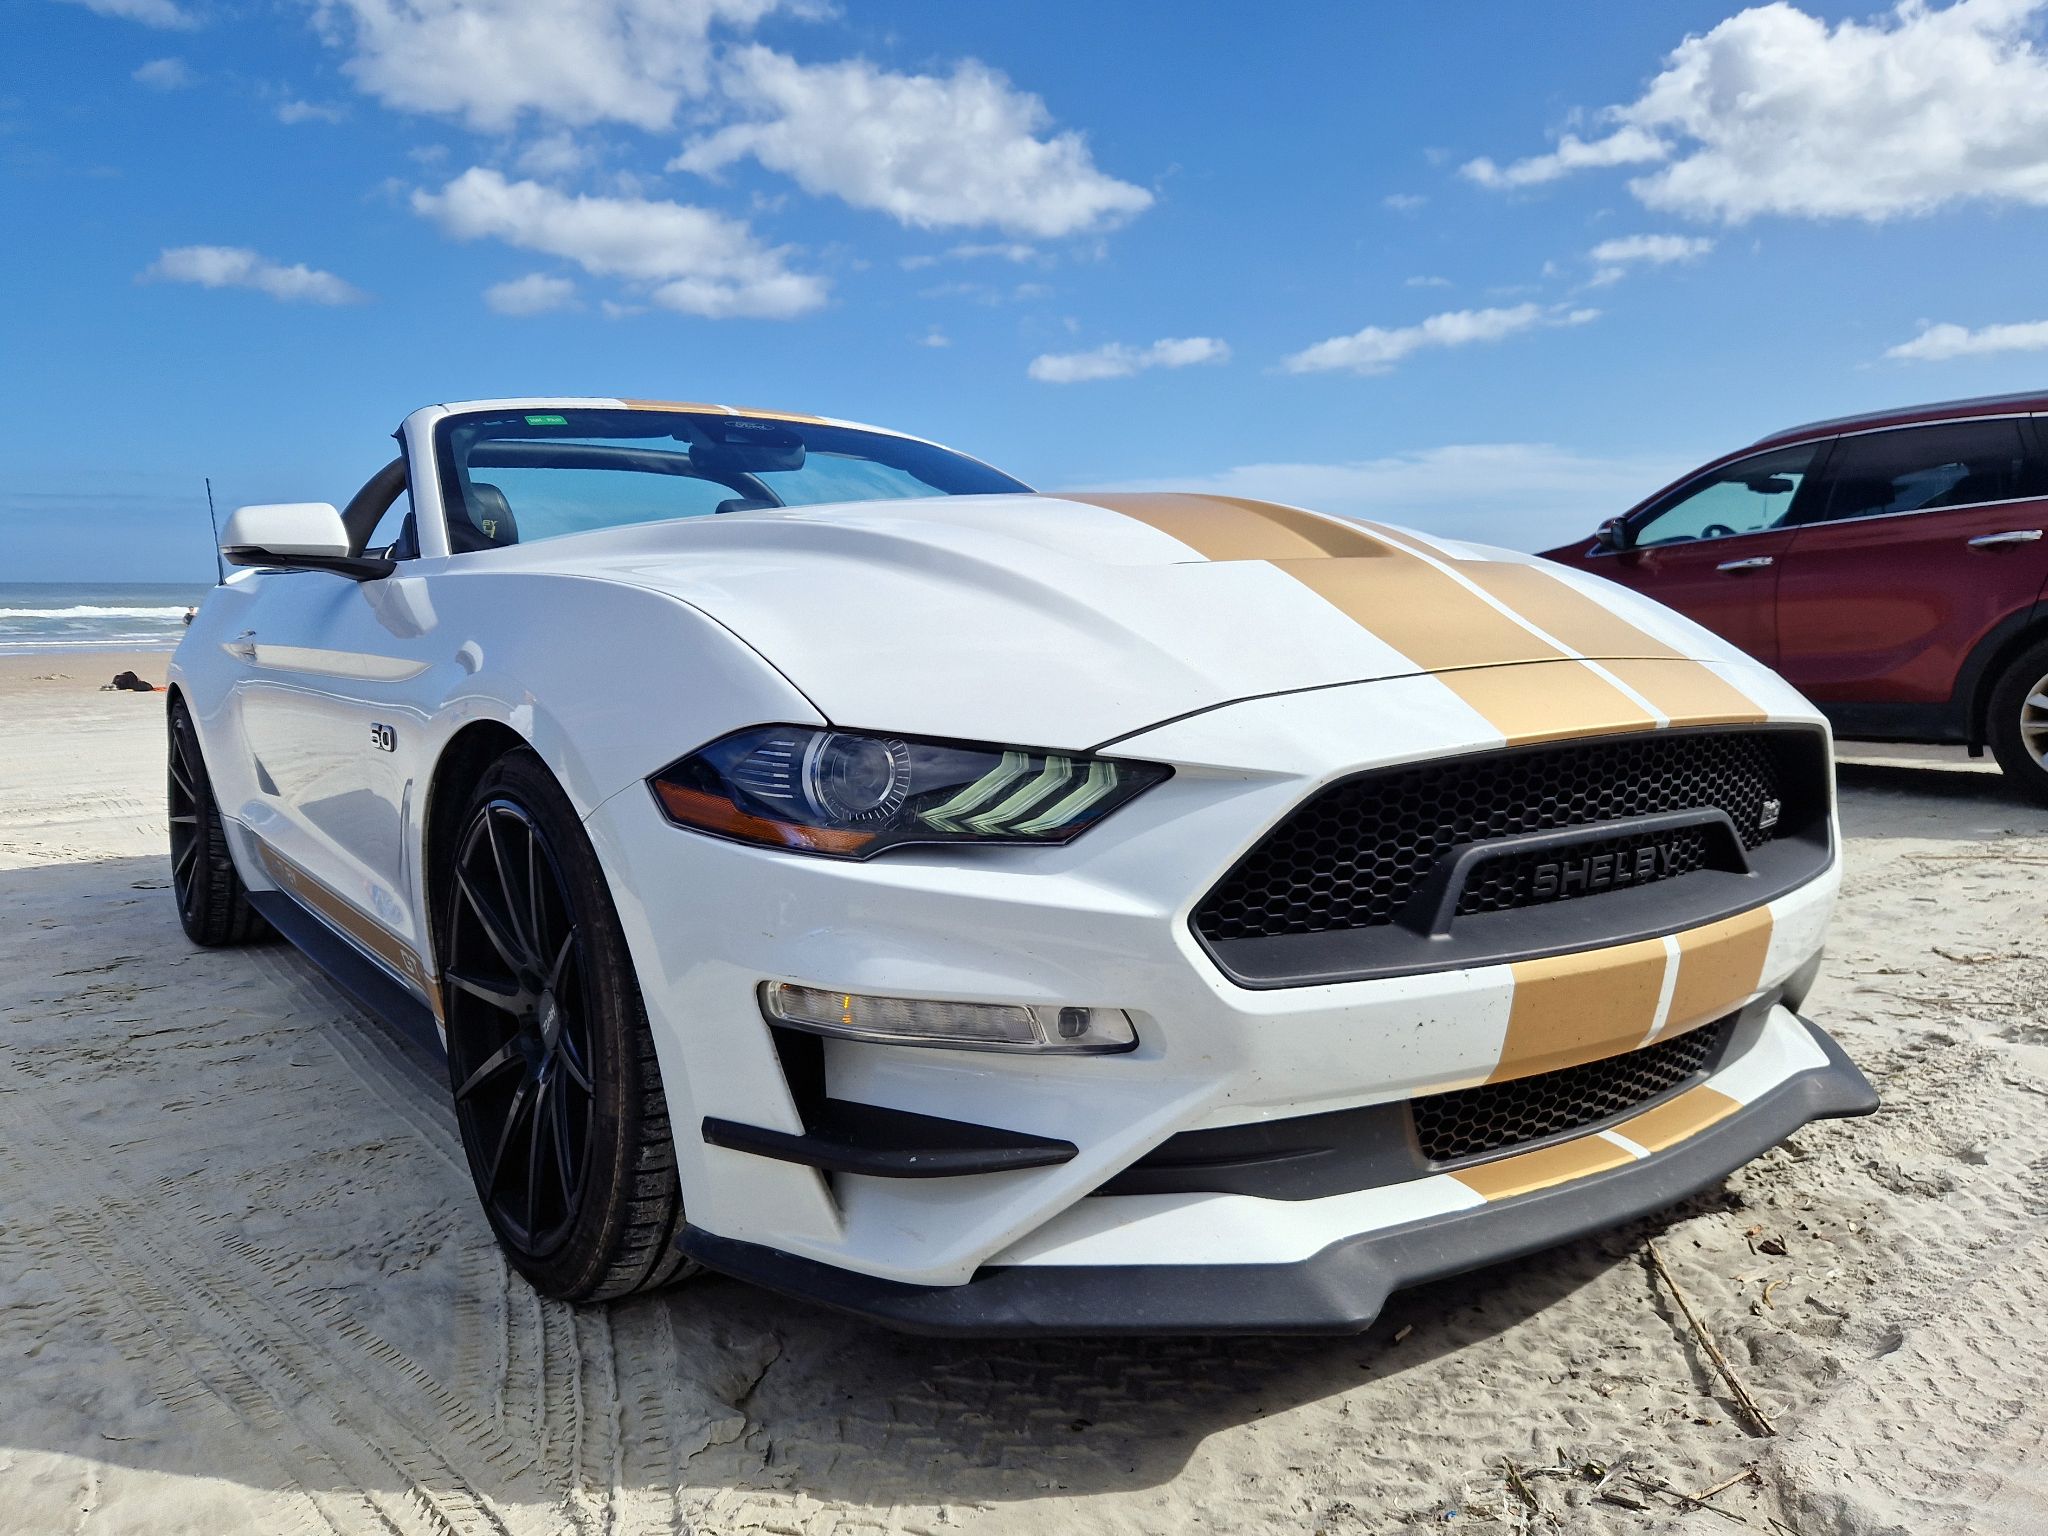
{"x":243,"y":645}
{"x":2000,"y":540}
{"x":1753,"y":563}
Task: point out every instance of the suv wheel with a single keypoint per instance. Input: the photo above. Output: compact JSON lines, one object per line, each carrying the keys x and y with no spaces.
{"x":2018,"y":721}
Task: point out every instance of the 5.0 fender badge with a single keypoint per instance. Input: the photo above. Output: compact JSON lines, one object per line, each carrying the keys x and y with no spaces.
{"x":383,"y":738}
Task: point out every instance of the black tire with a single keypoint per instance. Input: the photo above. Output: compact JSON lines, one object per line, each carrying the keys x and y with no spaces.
{"x":557,"y":1090}
{"x":2016,"y":723}
{"x":213,"y":904}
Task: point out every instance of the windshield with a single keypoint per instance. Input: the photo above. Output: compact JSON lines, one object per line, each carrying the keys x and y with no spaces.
{"x":510,"y":477}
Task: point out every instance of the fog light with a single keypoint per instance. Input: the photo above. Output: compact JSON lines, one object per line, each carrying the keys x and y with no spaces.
{"x":958,"y":1026}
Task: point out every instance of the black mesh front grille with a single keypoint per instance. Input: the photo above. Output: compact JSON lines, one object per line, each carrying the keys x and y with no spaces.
{"x":1474,"y":1121}
{"x":1352,"y":856}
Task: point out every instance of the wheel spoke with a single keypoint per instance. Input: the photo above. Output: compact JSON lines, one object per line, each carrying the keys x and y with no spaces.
{"x":560,"y":1103}
{"x":512,"y":923}
{"x":181,"y":864}
{"x":505,"y":996}
{"x":521,"y":1099}
{"x":541,"y":1120}
{"x":533,"y":919}
{"x":183,"y":776}
{"x":504,"y":1056}
{"x":184,"y":821}
{"x":561,"y":961}
{"x":571,"y":1060}
{"x":502,"y":940}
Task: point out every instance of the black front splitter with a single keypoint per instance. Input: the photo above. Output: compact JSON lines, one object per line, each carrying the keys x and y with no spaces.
{"x":1337,"y":1291}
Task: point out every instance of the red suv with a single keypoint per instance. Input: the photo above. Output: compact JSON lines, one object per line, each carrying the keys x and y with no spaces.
{"x":1894,"y":567}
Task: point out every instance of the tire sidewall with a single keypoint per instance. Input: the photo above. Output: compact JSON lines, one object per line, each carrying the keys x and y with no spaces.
{"x":2002,"y":731}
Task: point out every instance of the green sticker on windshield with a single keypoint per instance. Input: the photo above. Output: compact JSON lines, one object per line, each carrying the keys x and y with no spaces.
{"x":547,"y":421}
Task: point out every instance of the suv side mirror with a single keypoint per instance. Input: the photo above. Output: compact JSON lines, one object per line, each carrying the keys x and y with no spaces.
{"x":1615,"y":534}
{"x":297,"y":536}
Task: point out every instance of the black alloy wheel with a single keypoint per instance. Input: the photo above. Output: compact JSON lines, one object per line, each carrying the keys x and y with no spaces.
{"x":557,"y":1092}
{"x":213,"y":904}
{"x":521,"y":1070}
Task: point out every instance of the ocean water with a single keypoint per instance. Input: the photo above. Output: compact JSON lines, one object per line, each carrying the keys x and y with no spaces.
{"x":79,"y":616}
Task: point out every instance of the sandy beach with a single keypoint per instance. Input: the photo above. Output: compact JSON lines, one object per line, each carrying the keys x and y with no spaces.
{"x":244,"y":1284}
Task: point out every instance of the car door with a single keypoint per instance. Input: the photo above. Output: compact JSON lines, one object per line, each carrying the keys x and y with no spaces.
{"x":331,"y":698}
{"x":1924,"y":539}
{"x":1711,"y":548}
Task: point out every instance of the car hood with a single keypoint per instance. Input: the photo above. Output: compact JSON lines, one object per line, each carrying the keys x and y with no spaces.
{"x":1067,"y":621}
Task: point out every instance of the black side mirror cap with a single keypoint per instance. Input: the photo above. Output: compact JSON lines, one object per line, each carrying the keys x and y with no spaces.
{"x":1615,"y":534}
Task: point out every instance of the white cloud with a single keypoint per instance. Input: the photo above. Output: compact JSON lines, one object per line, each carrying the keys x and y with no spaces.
{"x":1773,"y":111}
{"x":935,"y":338}
{"x":575,"y":61}
{"x":1404,"y":202}
{"x":232,"y":266}
{"x":295,"y":111}
{"x":534,"y":294}
{"x":151,"y":13}
{"x":554,"y":154}
{"x":1118,"y":361}
{"x":1657,"y":250}
{"x":1525,"y":495}
{"x":1376,"y":349}
{"x":1427,"y":282}
{"x":931,"y":151}
{"x":1939,"y":343}
{"x":687,"y":259}
{"x":1625,"y":146}
{"x":163,"y":75}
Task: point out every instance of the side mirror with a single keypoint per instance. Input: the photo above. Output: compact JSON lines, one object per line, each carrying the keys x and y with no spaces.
{"x":1615,"y":534}
{"x":297,"y":536}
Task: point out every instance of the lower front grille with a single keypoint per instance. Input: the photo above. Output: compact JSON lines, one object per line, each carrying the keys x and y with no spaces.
{"x":1495,"y":1117}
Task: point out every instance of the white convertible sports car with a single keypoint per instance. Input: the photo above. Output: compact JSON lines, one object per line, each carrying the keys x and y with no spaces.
{"x":827,"y":862}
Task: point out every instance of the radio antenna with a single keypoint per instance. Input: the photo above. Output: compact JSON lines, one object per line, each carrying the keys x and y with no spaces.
{"x":220,"y":572}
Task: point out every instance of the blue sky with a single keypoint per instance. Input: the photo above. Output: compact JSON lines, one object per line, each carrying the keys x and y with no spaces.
{"x":1458,"y":266}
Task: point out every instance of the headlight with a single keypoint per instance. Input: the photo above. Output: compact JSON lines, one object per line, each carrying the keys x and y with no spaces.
{"x":851,"y":794}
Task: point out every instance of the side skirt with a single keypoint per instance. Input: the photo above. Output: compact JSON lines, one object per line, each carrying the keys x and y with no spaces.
{"x":355,"y":973}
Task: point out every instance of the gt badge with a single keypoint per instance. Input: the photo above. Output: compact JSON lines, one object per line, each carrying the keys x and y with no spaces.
{"x":1767,"y":817}
{"x":383,"y":738}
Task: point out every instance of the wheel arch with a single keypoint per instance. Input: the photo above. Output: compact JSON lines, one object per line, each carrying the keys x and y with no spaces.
{"x":468,"y":754}
{"x":1987,"y":663}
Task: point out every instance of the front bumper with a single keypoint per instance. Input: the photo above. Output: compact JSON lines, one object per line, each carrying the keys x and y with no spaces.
{"x":1105,"y":922}
{"x":1341,"y":1288}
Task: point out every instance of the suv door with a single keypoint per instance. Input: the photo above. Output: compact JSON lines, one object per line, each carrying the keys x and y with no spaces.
{"x":1711,"y":548}
{"x":1922,"y":540}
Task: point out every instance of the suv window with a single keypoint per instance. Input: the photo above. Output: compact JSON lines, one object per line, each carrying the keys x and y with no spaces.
{"x":1747,"y":496}
{"x":1921,"y":469}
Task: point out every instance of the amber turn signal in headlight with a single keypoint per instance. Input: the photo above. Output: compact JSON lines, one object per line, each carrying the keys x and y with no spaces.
{"x":852,"y":794}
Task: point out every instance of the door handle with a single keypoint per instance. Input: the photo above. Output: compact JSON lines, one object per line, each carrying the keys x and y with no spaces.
{"x":2001,"y":540}
{"x":1753,"y":563}
{"x":243,"y":645}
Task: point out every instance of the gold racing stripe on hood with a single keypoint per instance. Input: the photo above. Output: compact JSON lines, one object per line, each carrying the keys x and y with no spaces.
{"x":718,"y":410}
{"x":1452,"y":616}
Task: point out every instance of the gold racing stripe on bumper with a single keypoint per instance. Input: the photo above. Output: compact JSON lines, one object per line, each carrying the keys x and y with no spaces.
{"x":1675,"y":1119}
{"x":1720,"y":967}
{"x":1571,"y":1009}
{"x":1559,"y":1163}
{"x":306,"y":889}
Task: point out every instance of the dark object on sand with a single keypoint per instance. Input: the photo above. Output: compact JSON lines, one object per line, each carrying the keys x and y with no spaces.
{"x":128,"y":682}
